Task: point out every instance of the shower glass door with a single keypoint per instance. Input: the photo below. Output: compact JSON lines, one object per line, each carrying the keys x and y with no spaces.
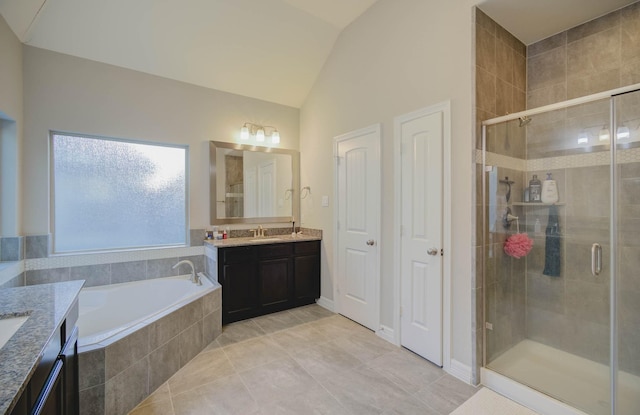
{"x":627,"y":266}
{"x":547,"y":307}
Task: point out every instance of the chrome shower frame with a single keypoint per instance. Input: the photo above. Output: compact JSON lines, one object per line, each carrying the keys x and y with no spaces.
{"x":524,"y":118}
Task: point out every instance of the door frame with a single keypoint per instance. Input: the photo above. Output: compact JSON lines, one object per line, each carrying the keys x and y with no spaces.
{"x":445,"y":108}
{"x":377,"y":130}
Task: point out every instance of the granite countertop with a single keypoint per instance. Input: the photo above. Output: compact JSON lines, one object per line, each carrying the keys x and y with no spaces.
{"x":275,"y":239}
{"x":46,"y":305}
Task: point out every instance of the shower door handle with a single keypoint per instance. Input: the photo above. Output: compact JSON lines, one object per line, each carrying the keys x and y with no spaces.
{"x":596,"y":259}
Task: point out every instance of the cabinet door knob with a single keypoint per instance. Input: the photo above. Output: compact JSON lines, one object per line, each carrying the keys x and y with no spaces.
{"x":371,"y":242}
{"x":432,"y":251}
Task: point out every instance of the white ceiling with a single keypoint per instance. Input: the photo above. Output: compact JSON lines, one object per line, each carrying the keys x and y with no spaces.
{"x":534,"y":20}
{"x":266,"y":49}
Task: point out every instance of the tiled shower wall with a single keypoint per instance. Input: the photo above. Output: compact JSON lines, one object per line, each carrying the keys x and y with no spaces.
{"x":597,"y":56}
{"x":569,"y":312}
{"x":572,"y":312}
{"x":500,"y":90}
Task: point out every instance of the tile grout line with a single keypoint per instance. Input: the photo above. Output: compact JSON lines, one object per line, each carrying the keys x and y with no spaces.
{"x":173,"y":407}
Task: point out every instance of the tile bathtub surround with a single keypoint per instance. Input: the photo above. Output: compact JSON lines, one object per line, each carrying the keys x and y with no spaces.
{"x":11,"y":248}
{"x":115,"y":378}
{"x":37,"y":246}
{"x":17,"y":281}
{"x":117,"y":272}
{"x":12,"y":274}
{"x":305,"y":360}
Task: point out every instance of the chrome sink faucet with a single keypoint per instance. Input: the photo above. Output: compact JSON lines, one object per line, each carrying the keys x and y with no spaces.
{"x":194,"y":277}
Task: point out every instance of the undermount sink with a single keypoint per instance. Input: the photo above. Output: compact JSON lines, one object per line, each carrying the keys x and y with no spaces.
{"x":9,"y":326}
{"x":265,"y":240}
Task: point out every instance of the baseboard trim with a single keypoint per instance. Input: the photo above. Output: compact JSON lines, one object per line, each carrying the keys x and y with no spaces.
{"x":460,"y":371}
{"x":387,"y":333}
{"x":326,"y":303}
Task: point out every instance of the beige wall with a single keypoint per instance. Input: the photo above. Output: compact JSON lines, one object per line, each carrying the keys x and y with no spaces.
{"x":66,"y":93}
{"x":399,"y":56}
{"x":10,"y":133}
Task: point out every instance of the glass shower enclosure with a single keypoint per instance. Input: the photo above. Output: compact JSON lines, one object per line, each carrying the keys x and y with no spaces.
{"x":561,"y":250}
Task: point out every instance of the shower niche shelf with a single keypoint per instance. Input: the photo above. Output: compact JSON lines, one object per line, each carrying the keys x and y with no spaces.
{"x":537,"y":204}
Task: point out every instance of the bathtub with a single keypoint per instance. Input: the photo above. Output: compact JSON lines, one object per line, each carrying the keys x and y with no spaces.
{"x":134,"y":336}
{"x":108,"y":310}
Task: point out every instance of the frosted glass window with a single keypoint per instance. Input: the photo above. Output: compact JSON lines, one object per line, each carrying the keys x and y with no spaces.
{"x":114,"y":194}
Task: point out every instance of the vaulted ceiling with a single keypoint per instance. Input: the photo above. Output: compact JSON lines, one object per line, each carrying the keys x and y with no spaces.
{"x":266,"y":49}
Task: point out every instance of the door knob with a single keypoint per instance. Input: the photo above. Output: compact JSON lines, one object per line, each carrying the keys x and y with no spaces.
{"x":371,"y":242}
{"x":432,"y":251}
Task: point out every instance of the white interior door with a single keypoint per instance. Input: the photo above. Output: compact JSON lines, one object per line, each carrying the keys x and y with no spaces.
{"x":421,"y":234}
{"x":358,"y":224}
{"x":267,"y":188}
{"x":250,"y":193}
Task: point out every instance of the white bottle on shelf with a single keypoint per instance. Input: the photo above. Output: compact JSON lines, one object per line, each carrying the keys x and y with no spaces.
{"x":549,"y":190}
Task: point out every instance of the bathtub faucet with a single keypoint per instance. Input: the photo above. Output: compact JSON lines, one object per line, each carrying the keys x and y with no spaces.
{"x":194,"y":277}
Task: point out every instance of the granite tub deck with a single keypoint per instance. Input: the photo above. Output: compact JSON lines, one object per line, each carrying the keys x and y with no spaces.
{"x":47,"y":306}
{"x":115,"y":377}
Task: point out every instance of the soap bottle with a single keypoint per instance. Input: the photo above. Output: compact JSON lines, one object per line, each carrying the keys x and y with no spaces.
{"x":549,"y":190}
{"x":537,"y":227}
{"x":535,"y":189}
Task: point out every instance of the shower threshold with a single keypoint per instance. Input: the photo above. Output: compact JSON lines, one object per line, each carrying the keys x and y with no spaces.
{"x":577,"y":381}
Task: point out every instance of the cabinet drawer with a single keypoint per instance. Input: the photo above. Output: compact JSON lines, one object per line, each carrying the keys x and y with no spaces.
{"x":238,"y":254}
{"x":275,"y":250}
{"x":311,"y":247}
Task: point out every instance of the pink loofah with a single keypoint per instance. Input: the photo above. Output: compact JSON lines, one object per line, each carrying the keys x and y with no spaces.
{"x":518,"y":245}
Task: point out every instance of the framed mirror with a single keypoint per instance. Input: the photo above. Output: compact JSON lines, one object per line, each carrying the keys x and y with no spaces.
{"x":250,"y":184}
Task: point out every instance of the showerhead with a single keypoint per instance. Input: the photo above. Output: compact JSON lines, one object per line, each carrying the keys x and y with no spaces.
{"x":524,"y":121}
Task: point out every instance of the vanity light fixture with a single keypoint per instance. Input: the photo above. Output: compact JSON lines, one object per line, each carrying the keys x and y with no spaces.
{"x":260,"y":132}
{"x":603,"y":135}
{"x":583,"y":138}
{"x":623,"y":133}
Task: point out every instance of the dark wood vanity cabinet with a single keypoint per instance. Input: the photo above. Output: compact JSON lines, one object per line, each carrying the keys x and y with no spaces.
{"x":54,"y":387}
{"x":306,"y":262}
{"x":262,"y":279}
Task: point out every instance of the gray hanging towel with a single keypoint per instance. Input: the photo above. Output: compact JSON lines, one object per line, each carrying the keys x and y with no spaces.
{"x":552,"y":244}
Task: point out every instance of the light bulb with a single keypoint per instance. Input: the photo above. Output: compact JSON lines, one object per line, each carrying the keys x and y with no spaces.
{"x":260,"y":135}
{"x":622,"y":133}
{"x":604,"y":134}
{"x":275,"y":137}
{"x":244,"y":133}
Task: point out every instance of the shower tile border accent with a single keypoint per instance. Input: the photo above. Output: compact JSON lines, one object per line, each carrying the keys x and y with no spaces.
{"x":601,"y":158}
{"x":109,"y":258}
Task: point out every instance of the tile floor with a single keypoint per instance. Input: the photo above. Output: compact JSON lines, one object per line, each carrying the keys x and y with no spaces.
{"x":305,"y":361}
